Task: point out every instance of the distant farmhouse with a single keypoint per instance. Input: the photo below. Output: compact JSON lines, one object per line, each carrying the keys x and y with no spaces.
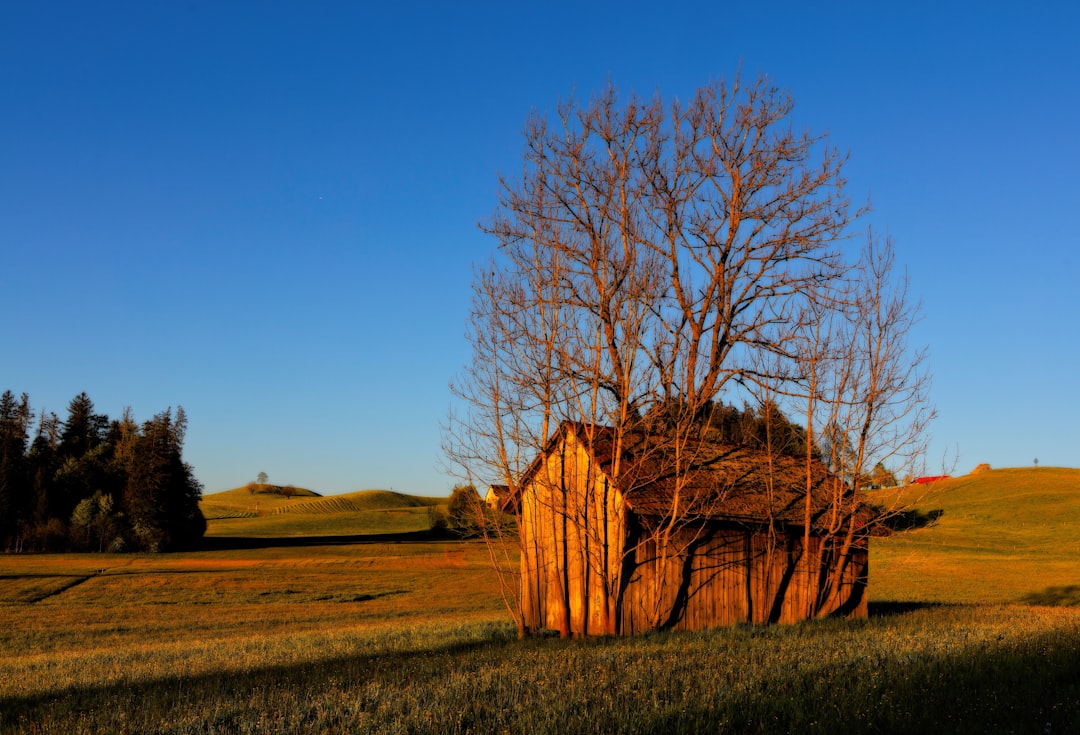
{"x":605,"y":557}
{"x":499,"y":498}
{"x":931,"y":479}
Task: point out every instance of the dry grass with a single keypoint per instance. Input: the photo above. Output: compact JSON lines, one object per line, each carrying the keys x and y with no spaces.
{"x":956,"y":669}
{"x":65,"y":614}
{"x":411,"y":637}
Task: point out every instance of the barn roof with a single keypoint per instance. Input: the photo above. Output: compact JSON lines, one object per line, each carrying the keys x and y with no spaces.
{"x":707,"y":480}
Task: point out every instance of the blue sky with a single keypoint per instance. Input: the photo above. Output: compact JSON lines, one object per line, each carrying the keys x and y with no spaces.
{"x":267,"y":212}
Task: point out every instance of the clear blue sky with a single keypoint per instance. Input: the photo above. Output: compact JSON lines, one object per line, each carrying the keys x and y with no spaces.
{"x":266,"y":212}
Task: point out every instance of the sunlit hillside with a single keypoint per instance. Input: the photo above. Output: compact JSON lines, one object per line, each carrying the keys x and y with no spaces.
{"x":242,"y":513}
{"x":242,"y":502}
{"x":361,"y":500}
{"x":1003,"y":535}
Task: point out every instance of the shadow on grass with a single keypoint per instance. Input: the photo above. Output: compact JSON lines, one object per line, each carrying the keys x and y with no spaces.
{"x":1067,"y":596}
{"x":909,"y":520}
{"x":889,"y":608}
{"x":1012,"y":685}
{"x":231,"y":543}
{"x":203,"y":694}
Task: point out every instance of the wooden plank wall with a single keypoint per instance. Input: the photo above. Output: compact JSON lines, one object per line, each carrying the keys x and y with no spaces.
{"x":569,"y":539}
{"x":734,"y":577}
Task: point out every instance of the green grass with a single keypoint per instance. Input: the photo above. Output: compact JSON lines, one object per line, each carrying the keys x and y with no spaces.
{"x":1003,"y":536}
{"x":411,"y":637}
{"x":242,"y":503}
{"x":239,"y":513}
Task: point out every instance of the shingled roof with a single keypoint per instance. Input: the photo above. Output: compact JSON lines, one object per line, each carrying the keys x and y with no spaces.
{"x":702,"y":479}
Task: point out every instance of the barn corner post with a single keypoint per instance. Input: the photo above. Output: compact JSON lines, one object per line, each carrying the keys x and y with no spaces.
{"x":595,"y":543}
{"x":612,"y":521}
{"x":567,"y":555}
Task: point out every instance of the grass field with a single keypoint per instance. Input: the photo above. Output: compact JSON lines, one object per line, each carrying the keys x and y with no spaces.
{"x":338,"y":635}
{"x":1003,"y":536}
{"x":241,"y":514}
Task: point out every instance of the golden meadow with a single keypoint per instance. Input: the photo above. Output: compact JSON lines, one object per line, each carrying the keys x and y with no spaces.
{"x":293,"y":626}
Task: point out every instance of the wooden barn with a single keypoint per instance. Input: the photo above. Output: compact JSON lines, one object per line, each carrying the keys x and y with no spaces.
{"x":620,"y":539}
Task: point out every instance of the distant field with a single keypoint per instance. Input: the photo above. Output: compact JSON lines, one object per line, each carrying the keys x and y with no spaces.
{"x":411,"y":636}
{"x":239,"y":513}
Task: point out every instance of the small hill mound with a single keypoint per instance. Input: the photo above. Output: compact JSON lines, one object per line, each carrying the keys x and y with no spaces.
{"x":245,"y":491}
{"x":237,"y":513}
{"x":360,"y":501}
{"x":244,"y":502}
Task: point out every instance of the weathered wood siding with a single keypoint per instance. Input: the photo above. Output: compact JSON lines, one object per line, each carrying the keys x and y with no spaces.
{"x":571,"y":540}
{"x":728,"y":576}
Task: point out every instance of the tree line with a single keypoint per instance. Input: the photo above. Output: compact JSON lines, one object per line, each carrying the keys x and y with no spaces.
{"x":91,"y":483}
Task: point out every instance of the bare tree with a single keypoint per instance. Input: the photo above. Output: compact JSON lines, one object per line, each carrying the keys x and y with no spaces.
{"x":651,"y":257}
{"x":865,"y":399}
{"x":508,"y":390}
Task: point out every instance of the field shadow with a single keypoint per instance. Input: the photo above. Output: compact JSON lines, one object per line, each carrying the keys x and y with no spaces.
{"x":1002,"y":687}
{"x":232,"y":543}
{"x":888,"y":608}
{"x":426,"y":667}
{"x":911,"y":519}
{"x":1067,"y":596}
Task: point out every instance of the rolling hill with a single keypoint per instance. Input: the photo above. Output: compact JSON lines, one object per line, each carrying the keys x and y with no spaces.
{"x":242,"y":503}
{"x":363,"y":500}
{"x":1002,"y":535}
{"x":239,"y":512}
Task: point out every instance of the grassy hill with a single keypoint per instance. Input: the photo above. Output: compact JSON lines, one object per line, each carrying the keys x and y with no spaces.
{"x":242,"y":503}
{"x":241,"y":513}
{"x":362,"y":500}
{"x":1003,"y":535}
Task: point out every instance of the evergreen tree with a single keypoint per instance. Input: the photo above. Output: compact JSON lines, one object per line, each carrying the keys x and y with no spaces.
{"x":16,"y":501}
{"x":80,"y":477}
{"x":774,"y":433}
{"x":43,"y":460}
{"x":162,"y":494}
{"x":765,"y":427}
{"x":79,"y":463}
{"x":95,"y":484}
{"x":83,"y":429}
